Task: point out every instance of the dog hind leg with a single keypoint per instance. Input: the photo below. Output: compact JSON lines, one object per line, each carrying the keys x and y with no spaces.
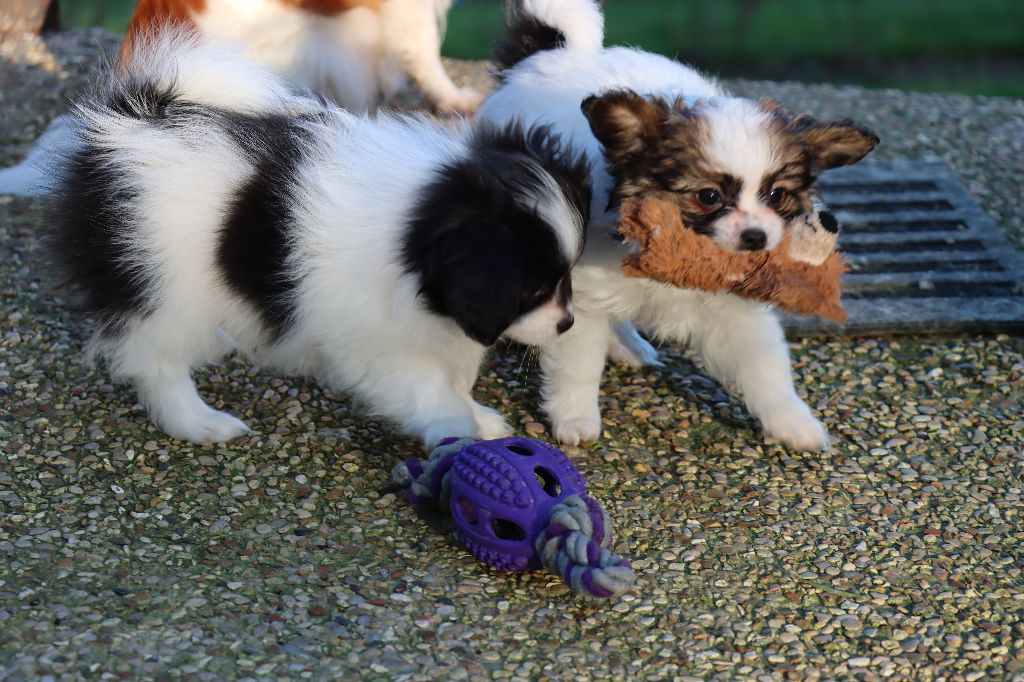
{"x":157,"y":353}
{"x":173,"y":403}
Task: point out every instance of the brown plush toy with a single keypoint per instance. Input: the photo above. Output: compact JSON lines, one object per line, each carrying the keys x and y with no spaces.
{"x":801,"y":275}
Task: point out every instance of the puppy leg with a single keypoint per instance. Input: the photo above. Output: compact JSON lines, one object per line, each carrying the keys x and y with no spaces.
{"x":425,"y":399}
{"x":156,"y":354}
{"x":627,"y":347}
{"x":744,"y":347}
{"x":170,"y":397}
{"x":435,"y":410}
{"x":413,"y":32}
{"x":572,"y":367}
{"x":490,"y":423}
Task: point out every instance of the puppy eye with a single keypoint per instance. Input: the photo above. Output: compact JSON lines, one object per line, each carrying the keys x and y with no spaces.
{"x":776,"y":196}
{"x":709,"y":197}
{"x":537,"y":294}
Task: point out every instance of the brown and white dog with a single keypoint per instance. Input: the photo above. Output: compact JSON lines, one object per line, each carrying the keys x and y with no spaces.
{"x":357,"y":52}
{"x":741,"y":171}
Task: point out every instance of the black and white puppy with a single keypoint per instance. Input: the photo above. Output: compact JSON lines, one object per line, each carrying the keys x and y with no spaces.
{"x":205,"y":207}
{"x":740,"y":171}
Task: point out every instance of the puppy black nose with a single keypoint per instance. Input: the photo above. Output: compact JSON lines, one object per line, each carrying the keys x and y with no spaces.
{"x":753,"y":240}
{"x":565,"y":325}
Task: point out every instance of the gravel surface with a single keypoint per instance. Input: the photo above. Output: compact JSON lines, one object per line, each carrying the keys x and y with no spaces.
{"x":286,"y":555}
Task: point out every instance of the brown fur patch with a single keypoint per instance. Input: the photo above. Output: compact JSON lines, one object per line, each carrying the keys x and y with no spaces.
{"x":808,"y":147}
{"x":654,"y":146}
{"x":625,"y":123}
{"x":671,"y":252}
{"x":827,"y":145}
{"x":793,"y":177}
{"x":838,"y":144}
{"x":150,"y":14}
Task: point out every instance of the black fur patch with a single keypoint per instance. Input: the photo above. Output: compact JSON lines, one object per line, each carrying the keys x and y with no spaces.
{"x":484,"y":259}
{"x":526,"y":35}
{"x":795,"y":179}
{"x":702,"y":219}
{"x":569,"y":168}
{"x":93,"y":217}
{"x":95,"y":213}
{"x":255,"y":239}
{"x":92,"y":223}
{"x":140,"y":99}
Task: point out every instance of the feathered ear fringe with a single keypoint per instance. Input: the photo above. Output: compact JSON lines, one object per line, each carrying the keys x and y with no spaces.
{"x":669,"y":252}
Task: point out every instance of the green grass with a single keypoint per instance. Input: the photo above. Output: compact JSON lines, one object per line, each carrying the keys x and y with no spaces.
{"x":974,"y":47}
{"x":110,"y":14}
{"x":783,"y":29}
{"x":943,"y":45}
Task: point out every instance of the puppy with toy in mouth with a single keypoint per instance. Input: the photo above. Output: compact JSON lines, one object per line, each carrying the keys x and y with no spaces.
{"x":202,"y":206}
{"x":739,"y":170}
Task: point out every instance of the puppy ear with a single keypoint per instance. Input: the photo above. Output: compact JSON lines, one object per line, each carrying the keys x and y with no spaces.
{"x":624,"y":122}
{"x":468,"y":270}
{"x":831,"y":145}
{"x":481,"y":301}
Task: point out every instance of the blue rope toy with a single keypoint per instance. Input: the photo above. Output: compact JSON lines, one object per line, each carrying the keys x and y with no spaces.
{"x":518,"y":504}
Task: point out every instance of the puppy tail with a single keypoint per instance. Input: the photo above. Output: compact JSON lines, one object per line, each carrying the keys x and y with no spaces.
{"x":167,"y":64}
{"x":143,"y":112}
{"x":538,"y":25}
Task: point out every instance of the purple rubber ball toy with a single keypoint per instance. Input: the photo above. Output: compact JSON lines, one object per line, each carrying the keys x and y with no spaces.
{"x":518,"y":504}
{"x":501,"y":491}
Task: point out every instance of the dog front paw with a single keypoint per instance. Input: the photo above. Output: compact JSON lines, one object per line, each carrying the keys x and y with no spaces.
{"x":796,"y":427}
{"x":490,"y":423}
{"x":452,"y":427}
{"x":577,"y":430}
{"x":465,"y":101}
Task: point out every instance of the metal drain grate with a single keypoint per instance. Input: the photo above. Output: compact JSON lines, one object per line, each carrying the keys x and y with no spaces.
{"x":924,"y":257}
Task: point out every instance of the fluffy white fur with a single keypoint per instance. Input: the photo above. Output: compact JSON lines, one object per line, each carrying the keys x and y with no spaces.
{"x":583,"y":29}
{"x":741,"y":342}
{"x":359,"y":324}
{"x":737,"y":140}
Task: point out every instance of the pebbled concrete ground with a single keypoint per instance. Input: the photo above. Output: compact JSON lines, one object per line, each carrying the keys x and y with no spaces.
{"x":286,"y":555}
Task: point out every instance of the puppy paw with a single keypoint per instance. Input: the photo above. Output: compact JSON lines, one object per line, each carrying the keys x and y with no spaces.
{"x":577,"y":429}
{"x":637,"y":352}
{"x":465,"y":101}
{"x":796,"y":427}
{"x":490,"y":423}
{"x":210,"y":426}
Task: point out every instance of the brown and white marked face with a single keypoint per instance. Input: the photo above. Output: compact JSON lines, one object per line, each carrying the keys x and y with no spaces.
{"x":739,"y":170}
